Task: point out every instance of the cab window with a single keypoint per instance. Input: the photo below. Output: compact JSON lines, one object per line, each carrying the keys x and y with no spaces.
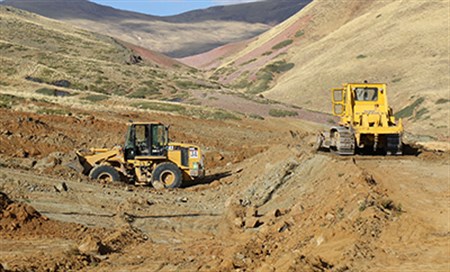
{"x":366,"y":94}
{"x":158,"y":135}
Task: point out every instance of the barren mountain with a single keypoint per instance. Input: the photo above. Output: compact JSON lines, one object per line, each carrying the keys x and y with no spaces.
{"x":402,"y":43}
{"x":177,"y":36}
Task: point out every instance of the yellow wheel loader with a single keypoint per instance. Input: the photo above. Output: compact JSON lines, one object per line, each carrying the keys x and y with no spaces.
{"x":367,"y":123}
{"x":147,"y":157}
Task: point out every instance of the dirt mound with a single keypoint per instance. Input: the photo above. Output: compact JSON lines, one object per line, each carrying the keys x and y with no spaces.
{"x":57,"y":246}
{"x":20,"y":212}
{"x":14,"y":215}
{"x":4,"y":201}
{"x":354,"y":222}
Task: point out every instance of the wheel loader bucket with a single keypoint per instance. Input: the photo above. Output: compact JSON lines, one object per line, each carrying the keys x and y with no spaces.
{"x":78,"y":163}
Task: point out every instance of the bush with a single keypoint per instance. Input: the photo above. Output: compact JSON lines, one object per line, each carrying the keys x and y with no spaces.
{"x":442,"y":101}
{"x":248,"y":62}
{"x":255,"y":116}
{"x":408,"y":111}
{"x":361,"y":56}
{"x":144,"y":92}
{"x":222,"y":115}
{"x":96,"y":98}
{"x":299,"y":33}
{"x":54,"y":112}
{"x":46,"y":91}
{"x":282,"y":113}
{"x":282,"y":44}
{"x":184,"y":84}
{"x":6,"y":100}
{"x":279,"y":67}
{"x":53,"y":92}
{"x":160,"y":107}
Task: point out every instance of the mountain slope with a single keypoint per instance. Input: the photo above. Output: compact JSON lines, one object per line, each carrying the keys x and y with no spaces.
{"x":265,"y":12}
{"x":404,"y":44}
{"x":40,"y":53}
{"x":176,"y":36}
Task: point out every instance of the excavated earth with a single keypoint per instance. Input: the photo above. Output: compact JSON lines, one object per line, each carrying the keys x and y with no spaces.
{"x":269,"y":202}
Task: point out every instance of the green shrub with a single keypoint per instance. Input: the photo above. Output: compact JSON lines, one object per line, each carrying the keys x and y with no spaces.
{"x":255,"y":116}
{"x":212,"y":115}
{"x":282,"y":44}
{"x":46,"y":91}
{"x":442,"y":101}
{"x":7,"y":100}
{"x":279,"y":67}
{"x":361,"y":56}
{"x":242,"y":84}
{"x":266,"y":75}
{"x":96,"y":98}
{"x":53,"y":92}
{"x":262,"y":84}
{"x":222,"y":115}
{"x":282,"y":113}
{"x":248,"y":62}
{"x":185,"y":84}
{"x":299,"y":33}
{"x":408,"y":111}
{"x":144,"y":92}
{"x":160,"y":107}
{"x":267,"y":53}
{"x":53,"y":111}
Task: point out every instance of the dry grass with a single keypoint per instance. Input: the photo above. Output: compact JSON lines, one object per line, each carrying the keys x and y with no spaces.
{"x":45,"y":53}
{"x":403,"y":43}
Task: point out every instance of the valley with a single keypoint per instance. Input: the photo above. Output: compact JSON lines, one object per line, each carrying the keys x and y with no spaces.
{"x":270,"y":201}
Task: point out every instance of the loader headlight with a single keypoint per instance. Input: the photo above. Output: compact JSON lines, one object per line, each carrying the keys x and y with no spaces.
{"x":195,"y":165}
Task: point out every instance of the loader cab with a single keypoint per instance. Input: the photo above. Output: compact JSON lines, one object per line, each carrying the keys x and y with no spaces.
{"x":146,"y":139}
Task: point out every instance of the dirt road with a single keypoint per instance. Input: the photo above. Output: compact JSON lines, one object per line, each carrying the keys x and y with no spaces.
{"x":269,"y":203}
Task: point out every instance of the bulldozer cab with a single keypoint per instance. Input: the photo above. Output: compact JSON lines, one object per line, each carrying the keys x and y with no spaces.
{"x":146,"y":139}
{"x":369,"y":98}
{"x":366,"y":94}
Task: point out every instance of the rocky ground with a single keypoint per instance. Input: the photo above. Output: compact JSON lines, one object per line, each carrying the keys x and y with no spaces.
{"x":269,"y":202}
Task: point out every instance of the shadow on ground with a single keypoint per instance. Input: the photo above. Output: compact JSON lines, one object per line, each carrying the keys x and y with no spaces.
{"x":206,"y":180}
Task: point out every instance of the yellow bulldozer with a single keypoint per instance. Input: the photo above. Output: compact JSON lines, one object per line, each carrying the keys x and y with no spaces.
{"x":147,"y":157}
{"x":367,"y":123}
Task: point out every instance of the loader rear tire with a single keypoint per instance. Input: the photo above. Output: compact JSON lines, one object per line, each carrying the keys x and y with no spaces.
{"x":166,"y":174}
{"x":105,"y":172}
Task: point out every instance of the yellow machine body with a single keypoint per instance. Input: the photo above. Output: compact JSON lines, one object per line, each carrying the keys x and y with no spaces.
{"x":146,"y":148}
{"x":366,"y":120}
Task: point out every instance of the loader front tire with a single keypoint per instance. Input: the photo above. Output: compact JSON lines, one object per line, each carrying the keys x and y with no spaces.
{"x":105,"y":173}
{"x":166,"y":174}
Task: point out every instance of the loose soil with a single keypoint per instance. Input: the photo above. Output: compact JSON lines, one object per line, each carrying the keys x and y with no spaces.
{"x":269,"y":202}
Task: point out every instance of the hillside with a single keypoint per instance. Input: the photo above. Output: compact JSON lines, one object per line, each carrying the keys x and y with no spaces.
{"x":265,"y":12}
{"x":269,"y":200}
{"x":176,"y":36}
{"x":404,"y":44}
{"x":40,"y":55}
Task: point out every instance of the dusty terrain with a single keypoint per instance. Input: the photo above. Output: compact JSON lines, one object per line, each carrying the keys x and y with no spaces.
{"x":269,"y":202}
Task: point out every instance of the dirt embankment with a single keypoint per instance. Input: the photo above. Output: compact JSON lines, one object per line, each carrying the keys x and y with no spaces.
{"x":32,"y":241}
{"x":269,"y":203}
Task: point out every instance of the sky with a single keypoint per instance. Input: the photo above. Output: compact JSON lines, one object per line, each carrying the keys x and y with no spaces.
{"x":168,"y":7}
